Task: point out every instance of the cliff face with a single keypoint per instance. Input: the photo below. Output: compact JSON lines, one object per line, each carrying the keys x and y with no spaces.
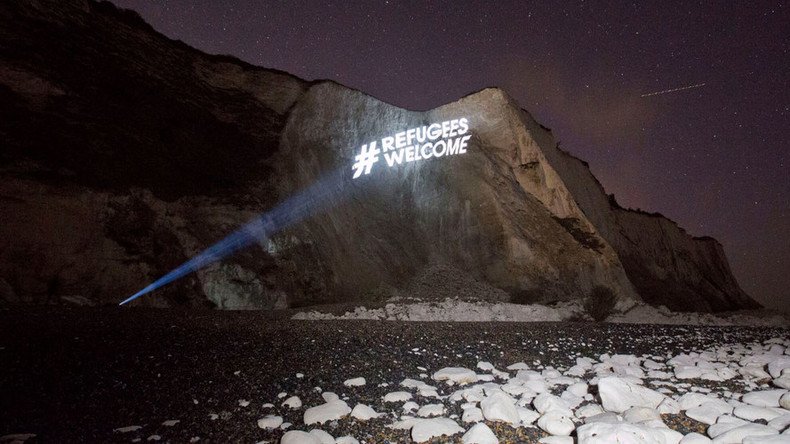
{"x":125,"y":153}
{"x":665,"y":264}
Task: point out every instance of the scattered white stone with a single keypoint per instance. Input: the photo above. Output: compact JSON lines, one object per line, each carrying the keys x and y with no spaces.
{"x":363,"y":412}
{"x":329,"y":396}
{"x":669,"y":435}
{"x":410,"y":406}
{"x":243,"y":403}
{"x":425,"y":429}
{"x":546,"y":401}
{"x":170,"y":422}
{"x":753,"y":372}
{"x":556,"y":422}
{"x":695,"y":438}
{"x":708,"y":413}
{"x":782,"y":381}
{"x":397,"y":397}
{"x":127,"y":429}
{"x":669,"y":406}
{"x":326,"y":412}
{"x":472,"y":414}
{"x":702,"y":372}
{"x":691,"y":400}
{"x":293,"y":402}
{"x":608,"y":417}
{"x":753,"y":413}
{"x":636,"y":415}
{"x":607,"y":433}
{"x":480,"y":434}
{"x":405,"y":423}
{"x":429,"y":410}
{"x":456,"y":375}
{"x":300,"y":375}
{"x":784,"y":401}
{"x":780,"y":423}
{"x":774,"y":439}
{"x":578,"y":389}
{"x":536,"y":386}
{"x":322,"y":436}
{"x":355,"y":382}
{"x":588,"y":410}
{"x":764,"y":398}
{"x":556,"y":440}
{"x":576,"y":370}
{"x":154,"y":438}
{"x":486,"y":367}
{"x":500,"y":407}
{"x":723,"y":424}
{"x":737,"y":434}
{"x":618,"y":395}
{"x":527,"y":416}
{"x":776,"y":366}
{"x":423,"y":389}
{"x":270,"y":422}
{"x":298,"y":437}
{"x":474,"y":394}
{"x":346,"y":440}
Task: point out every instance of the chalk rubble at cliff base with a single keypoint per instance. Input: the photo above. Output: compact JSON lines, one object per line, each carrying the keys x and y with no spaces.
{"x":455,"y":310}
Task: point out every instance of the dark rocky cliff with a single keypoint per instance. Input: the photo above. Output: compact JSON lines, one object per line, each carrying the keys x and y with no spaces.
{"x":125,"y":153}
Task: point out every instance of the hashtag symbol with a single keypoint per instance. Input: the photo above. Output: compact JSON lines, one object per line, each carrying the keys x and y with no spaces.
{"x":365,"y":159}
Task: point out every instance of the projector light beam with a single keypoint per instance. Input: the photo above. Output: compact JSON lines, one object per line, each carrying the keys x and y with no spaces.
{"x":302,"y":205}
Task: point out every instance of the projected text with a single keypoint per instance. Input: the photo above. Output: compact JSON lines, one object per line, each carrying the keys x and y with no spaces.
{"x":447,"y":138}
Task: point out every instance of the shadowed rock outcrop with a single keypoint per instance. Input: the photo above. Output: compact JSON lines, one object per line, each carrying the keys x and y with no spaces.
{"x":126,"y":153}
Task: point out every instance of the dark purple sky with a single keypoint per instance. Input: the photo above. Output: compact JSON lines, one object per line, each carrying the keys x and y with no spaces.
{"x":712,"y":158}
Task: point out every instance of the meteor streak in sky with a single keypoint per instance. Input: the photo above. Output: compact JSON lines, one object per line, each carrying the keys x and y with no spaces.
{"x":666,"y":91}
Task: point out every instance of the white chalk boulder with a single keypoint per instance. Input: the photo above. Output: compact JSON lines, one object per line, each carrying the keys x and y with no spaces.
{"x":330,"y":411}
{"x":480,"y":434}
{"x":426,"y":429}
{"x":500,"y":407}
{"x":619,"y":395}
{"x":456,"y":375}
{"x":299,"y":437}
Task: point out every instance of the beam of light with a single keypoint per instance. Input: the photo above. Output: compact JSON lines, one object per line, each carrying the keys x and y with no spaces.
{"x":667,"y":91}
{"x":298,"y":207}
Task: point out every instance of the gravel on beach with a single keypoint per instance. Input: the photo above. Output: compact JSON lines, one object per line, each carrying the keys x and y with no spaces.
{"x":78,"y":374}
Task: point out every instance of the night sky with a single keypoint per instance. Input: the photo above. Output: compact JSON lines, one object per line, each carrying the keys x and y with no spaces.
{"x":713,"y":158}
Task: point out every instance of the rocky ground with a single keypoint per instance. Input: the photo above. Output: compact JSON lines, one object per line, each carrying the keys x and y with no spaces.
{"x":139,"y":375}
